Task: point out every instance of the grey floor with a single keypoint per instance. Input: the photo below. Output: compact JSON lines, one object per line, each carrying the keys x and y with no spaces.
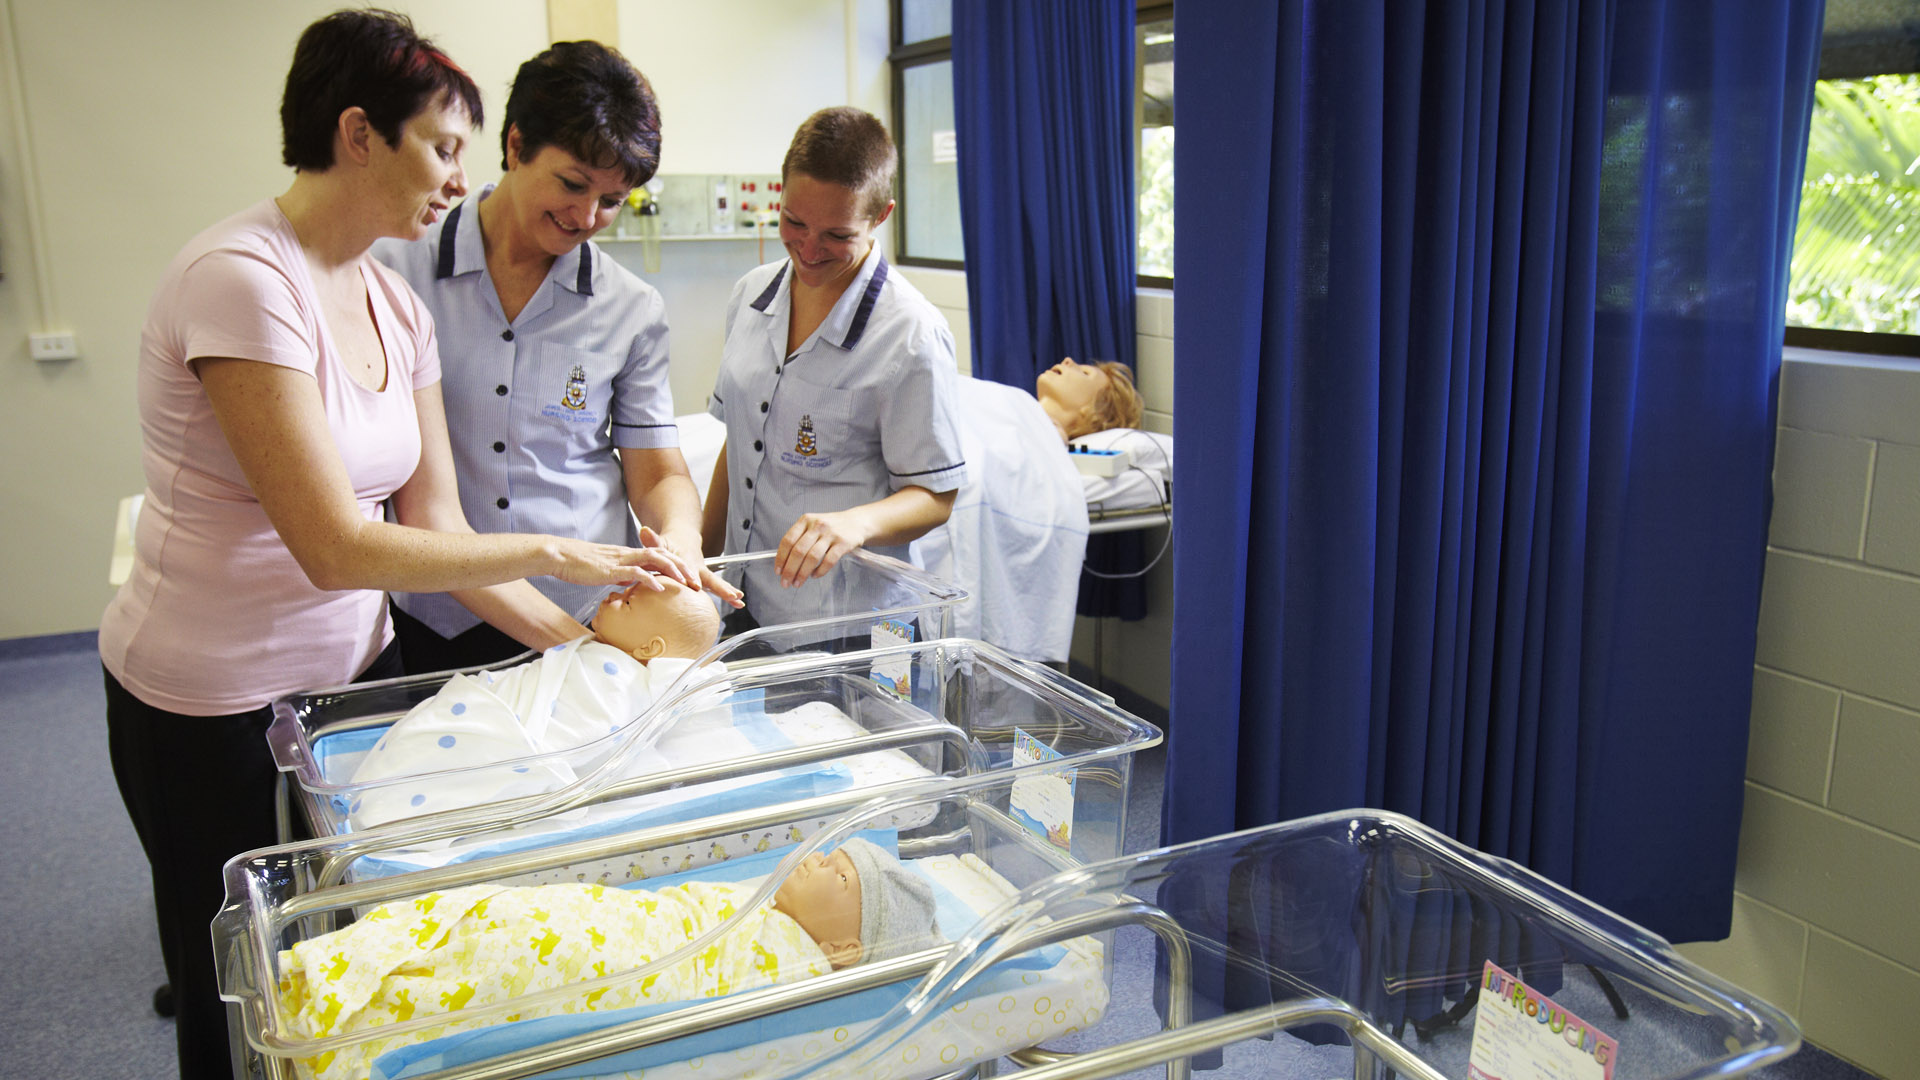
{"x":77,"y":912}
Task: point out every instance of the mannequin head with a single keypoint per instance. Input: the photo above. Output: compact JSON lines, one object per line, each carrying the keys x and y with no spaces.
{"x":1085,"y":398}
{"x":677,"y":621}
{"x":858,"y":904}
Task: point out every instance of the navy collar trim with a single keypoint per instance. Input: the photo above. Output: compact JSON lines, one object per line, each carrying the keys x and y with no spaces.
{"x":867,"y":300}
{"x":773,"y":288}
{"x":449,"y":245}
{"x":449,"y":232}
{"x":583,"y":283}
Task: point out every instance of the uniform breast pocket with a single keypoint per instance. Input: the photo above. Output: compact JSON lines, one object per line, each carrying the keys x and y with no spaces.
{"x":818,"y":439}
{"x":575,"y":388}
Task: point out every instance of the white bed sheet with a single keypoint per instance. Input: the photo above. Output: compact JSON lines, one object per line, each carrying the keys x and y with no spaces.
{"x":1144,"y":485}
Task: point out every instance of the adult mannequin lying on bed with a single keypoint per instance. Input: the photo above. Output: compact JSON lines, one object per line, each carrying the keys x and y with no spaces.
{"x":481,"y":944}
{"x":1018,"y":529}
{"x":567,"y":697}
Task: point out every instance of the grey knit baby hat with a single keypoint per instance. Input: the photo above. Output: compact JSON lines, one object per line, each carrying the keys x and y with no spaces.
{"x":896,"y":904}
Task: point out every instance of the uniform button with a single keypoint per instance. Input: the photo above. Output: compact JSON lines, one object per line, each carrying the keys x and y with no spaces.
{"x":499,"y":448}
{"x":746,"y":523}
{"x":763,"y":406}
{"x":501,"y":502}
{"x":501,"y":390}
{"x":749,"y":483}
{"x":777,"y":369}
{"x":506,"y":335}
{"x":756,"y":444}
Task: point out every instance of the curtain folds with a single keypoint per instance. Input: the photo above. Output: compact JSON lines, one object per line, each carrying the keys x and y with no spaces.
{"x":1043,"y":114}
{"x":1475,"y":400}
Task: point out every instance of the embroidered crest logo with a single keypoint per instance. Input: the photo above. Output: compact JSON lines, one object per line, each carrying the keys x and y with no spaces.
{"x":576,"y":396}
{"x":806,"y":446}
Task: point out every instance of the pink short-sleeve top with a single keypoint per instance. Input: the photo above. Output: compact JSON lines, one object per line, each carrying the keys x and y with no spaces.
{"x":217,"y":617}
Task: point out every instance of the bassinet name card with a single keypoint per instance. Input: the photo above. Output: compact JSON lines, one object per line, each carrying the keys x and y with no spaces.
{"x":1043,"y":803}
{"x":1521,"y":1034}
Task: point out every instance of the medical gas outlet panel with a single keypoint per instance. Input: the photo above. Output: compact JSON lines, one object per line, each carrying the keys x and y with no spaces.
{"x":703,"y":206}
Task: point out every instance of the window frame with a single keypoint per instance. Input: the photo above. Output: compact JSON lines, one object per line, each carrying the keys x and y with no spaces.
{"x":901,"y":56}
{"x":899,"y":59}
{"x":1874,"y":343}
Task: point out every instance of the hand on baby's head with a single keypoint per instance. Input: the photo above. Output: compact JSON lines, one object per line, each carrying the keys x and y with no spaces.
{"x":859,"y":904}
{"x":650,"y":623}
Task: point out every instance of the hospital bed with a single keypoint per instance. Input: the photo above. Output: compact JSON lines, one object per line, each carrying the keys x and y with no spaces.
{"x":1040,"y":782}
{"x":318,"y":738}
{"x":1018,"y":530}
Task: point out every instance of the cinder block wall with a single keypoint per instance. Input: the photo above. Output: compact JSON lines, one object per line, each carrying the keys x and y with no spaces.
{"x":1827,"y":904}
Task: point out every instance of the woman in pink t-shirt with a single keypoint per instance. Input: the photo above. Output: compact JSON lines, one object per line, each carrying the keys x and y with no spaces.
{"x":297,"y":468}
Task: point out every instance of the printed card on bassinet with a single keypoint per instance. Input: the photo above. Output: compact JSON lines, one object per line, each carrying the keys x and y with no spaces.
{"x":1043,"y":803}
{"x":1521,"y":1034}
{"x":896,"y":674}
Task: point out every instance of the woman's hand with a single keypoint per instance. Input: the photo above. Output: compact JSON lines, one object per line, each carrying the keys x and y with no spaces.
{"x":583,"y":562}
{"x":694,"y":572}
{"x":817,"y":542}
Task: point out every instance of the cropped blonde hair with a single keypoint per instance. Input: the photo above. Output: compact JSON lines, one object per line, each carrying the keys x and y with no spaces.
{"x":1119,"y":405}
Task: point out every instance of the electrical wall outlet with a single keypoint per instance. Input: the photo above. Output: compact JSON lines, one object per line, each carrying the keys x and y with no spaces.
{"x":47,"y":347}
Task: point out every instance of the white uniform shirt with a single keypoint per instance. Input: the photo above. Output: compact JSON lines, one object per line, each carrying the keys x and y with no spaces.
{"x":535,"y":407}
{"x":863,"y":408}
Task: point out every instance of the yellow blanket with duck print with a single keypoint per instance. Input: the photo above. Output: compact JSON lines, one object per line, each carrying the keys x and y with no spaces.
{"x":445,"y":952}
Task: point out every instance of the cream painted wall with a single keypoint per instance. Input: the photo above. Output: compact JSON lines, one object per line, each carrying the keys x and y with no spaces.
{"x":1824,"y":916}
{"x":149,"y":122}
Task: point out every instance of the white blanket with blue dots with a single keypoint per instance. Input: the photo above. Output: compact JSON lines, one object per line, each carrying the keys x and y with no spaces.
{"x":464,"y":745}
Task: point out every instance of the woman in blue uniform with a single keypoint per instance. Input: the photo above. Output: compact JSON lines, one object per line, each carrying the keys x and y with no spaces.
{"x":837,"y":383}
{"x":554,"y":357}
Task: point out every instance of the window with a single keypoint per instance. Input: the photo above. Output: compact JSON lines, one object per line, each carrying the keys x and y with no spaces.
{"x":928,"y":215}
{"x":1855,"y":278}
{"x":1153,"y":165}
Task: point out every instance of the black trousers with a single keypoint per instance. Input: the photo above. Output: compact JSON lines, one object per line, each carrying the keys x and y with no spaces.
{"x":423,"y":650}
{"x":200,"y":790}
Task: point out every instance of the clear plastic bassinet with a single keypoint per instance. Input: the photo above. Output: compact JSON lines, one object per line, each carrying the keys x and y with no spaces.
{"x":319,"y":737}
{"x":1391,"y":950}
{"x":1029,"y":773}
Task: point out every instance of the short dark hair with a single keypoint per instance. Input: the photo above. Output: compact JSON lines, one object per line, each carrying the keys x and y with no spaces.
{"x":370,"y":58}
{"x":849,"y":147}
{"x":586,"y":99}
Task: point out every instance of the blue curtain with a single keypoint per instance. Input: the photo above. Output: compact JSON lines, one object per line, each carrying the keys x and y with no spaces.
{"x":1474,"y":397}
{"x":1043,"y":117}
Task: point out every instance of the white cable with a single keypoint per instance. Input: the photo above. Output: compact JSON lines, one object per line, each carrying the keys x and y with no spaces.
{"x":1166,"y":505}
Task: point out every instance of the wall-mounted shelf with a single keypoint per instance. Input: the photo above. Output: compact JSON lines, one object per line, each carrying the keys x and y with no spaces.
{"x":609,"y":238}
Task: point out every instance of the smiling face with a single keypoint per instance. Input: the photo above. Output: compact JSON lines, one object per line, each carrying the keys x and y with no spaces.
{"x":422,"y":175}
{"x":824,"y":231}
{"x":823,"y":896}
{"x":556,"y":200}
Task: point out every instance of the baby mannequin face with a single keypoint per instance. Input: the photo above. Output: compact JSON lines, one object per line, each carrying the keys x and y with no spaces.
{"x":1067,"y":391}
{"x":678,"y":621}
{"x":823,"y":896}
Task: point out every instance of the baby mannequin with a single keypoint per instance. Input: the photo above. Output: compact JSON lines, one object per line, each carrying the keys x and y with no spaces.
{"x":488,"y":943}
{"x":571,"y":695}
{"x":1081,"y":399}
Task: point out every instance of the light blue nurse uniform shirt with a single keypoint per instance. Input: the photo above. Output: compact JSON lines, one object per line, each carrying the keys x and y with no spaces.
{"x":536,"y":407}
{"x":864,"y":407}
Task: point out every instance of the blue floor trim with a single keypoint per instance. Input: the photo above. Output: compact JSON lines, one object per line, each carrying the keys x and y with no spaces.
{"x":21,"y":648}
